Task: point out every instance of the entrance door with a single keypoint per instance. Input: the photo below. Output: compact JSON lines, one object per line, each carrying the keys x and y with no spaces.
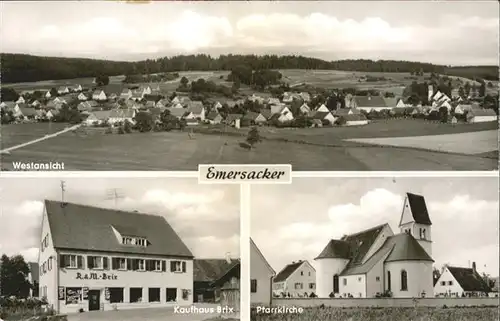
{"x":94,"y":300}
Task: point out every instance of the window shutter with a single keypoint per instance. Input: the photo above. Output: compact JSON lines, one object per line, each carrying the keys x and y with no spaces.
{"x":105,"y":263}
{"x":130,"y":265}
{"x":183,"y":266}
{"x":148,"y":265}
{"x":135,"y":263}
{"x":62,"y":260}
{"x":172,"y":266}
{"x":114,"y":263}
{"x":90,"y":262}
{"x":164,"y":266}
{"x":79,"y":261}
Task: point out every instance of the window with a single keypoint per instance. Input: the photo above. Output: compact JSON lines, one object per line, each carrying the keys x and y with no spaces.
{"x":118,"y":263}
{"x":345,"y":281}
{"x":311,"y":285}
{"x":127,"y":240}
{"x":49,"y":264}
{"x":115,"y":295}
{"x":154,"y":295}
{"x":420,"y":233}
{"x":301,"y":273}
{"x":141,"y":265}
{"x":178,"y":266}
{"x":336,"y":283}
{"x":185,"y":294}
{"x":309,"y":274}
{"x":135,"y":295}
{"x":44,"y":267}
{"x":253,"y":286}
{"x":443,"y":282}
{"x":155,"y":265}
{"x":140,"y":242}
{"x":70,"y":261}
{"x":171,"y":294}
{"x":298,"y":286}
{"x":423,"y":234}
{"x":389,"y":280}
{"x":73,"y":295}
{"x":450,"y":282}
{"x":377,"y":278}
{"x":404,"y":281}
{"x":95,"y":262}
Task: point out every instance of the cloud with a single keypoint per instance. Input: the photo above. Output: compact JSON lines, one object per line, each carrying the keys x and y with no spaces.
{"x":464,"y":229}
{"x":188,"y":31}
{"x":206,"y":218}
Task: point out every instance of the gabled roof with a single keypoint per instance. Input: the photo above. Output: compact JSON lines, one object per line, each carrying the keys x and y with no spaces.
{"x":370,"y":101}
{"x":361,"y":242}
{"x":251,"y":115}
{"x":321,"y":114}
{"x":122,"y":113}
{"x":232,"y":117}
{"x":354,"y":117}
{"x":253,"y":245}
{"x":84,"y":227}
{"x":335,"y":249}
{"x":469,"y":279}
{"x":266,"y":113}
{"x":284,"y":274}
{"x":390,"y":101}
{"x":212,"y":115}
{"x":234,"y":271}
{"x":482,"y":112}
{"x":399,"y":247}
{"x":27,"y":111}
{"x":177,"y":112}
{"x":345,"y":111}
{"x":418,"y":209}
{"x":209,"y":270}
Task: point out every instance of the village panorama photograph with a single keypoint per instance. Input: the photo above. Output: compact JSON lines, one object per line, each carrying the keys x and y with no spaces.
{"x":323,"y":86}
{"x":343,"y":249}
{"x":119,"y":249}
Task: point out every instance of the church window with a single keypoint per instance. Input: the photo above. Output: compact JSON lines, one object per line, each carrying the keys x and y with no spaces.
{"x":345,"y":281}
{"x":377,"y":278}
{"x":389,"y":280}
{"x":404,"y":281}
{"x":336,"y":283}
{"x":423,"y":234}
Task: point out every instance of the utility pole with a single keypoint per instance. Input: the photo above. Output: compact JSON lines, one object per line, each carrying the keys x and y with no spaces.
{"x":63,"y":189}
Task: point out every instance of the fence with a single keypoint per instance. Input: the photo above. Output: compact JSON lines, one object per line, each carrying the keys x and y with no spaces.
{"x":385,"y":302}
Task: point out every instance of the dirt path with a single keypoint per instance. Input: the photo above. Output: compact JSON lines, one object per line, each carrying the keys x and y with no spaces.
{"x":9,"y":149}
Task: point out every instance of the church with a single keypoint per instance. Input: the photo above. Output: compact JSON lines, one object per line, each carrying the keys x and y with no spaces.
{"x":378,"y":263}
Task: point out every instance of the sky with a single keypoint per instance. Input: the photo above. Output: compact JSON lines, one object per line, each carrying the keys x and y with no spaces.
{"x":441,"y":32}
{"x":206,"y":217}
{"x":311,"y":211}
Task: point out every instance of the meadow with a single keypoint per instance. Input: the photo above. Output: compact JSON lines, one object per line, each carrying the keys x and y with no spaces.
{"x":387,"y":314}
{"x":305,"y":149}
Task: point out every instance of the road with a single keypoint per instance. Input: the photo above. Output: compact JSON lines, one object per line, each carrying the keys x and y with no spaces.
{"x":149,"y":314}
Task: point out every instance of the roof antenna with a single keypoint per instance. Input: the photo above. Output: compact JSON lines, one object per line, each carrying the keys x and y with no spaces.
{"x":115,"y":195}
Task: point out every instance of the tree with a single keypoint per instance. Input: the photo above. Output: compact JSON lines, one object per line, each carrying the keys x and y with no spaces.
{"x":8,"y":94}
{"x":482,"y":89}
{"x":102,"y":80}
{"x":184,"y":81}
{"x":144,"y":121}
{"x":253,"y":137}
{"x":14,"y":273}
{"x":443,"y":114}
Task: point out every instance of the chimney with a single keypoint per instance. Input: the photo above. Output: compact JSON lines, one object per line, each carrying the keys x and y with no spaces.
{"x":474,"y":267}
{"x":228,"y":257}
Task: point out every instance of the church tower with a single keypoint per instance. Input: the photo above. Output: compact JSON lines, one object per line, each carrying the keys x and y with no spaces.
{"x":416,"y":222}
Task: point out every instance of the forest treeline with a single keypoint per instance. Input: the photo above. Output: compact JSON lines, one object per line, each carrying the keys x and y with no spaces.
{"x":27,"y":68}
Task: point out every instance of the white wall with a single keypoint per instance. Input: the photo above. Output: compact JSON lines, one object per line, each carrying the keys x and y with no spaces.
{"x":48,"y":282}
{"x":307,"y":276}
{"x":355,"y":285}
{"x":357,"y":122}
{"x":454,"y":289}
{"x":482,"y":119}
{"x":419,"y":278}
{"x":374,"y":285}
{"x":260,"y":272}
{"x":325,"y":270}
{"x":127,"y":280}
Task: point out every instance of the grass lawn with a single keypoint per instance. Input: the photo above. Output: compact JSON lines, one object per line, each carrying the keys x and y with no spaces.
{"x":176,"y":151}
{"x":387,"y":314}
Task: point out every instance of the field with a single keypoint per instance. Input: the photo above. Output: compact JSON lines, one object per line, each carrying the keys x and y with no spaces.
{"x":387,"y":314}
{"x":305,"y":149}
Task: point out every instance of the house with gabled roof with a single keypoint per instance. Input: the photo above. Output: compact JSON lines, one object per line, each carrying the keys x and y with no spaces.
{"x":120,"y":115}
{"x":304,"y":109}
{"x":324,"y":117}
{"x":196,"y":110}
{"x":481,"y":115}
{"x":99,"y":95}
{"x":63,"y":90}
{"x":20,"y":100}
{"x":126,"y":93}
{"x":76,"y":88}
{"x":214,"y":117}
{"x":377,"y":261}
{"x":82,"y":97}
{"x":322,"y":108}
{"x":261,"y":277}
{"x":48,"y":94}
{"x":34,"y":278}
{"x":254,"y":118}
{"x":207,"y":274}
{"x":295,"y":280}
{"x":461,"y":282}
{"x":177,"y":112}
{"x":106,"y":259}
{"x":369,"y":103}
{"x":233,"y":120}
